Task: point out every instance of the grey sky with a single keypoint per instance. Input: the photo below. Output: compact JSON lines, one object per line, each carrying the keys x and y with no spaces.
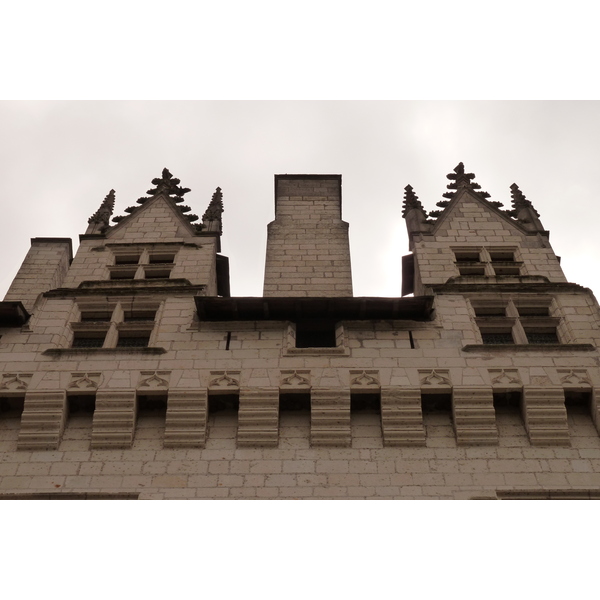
{"x":61,"y":158}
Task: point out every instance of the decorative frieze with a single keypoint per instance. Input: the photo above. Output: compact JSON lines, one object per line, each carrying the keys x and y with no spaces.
{"x":258,"y":417}
{"x":330,"y":417}
{"x":546,"y":416}
{"x":114,"y":419}
{"x":43,"y":420}
{"x":474,"y":417}
{"x":185,"y":425}
{"x":402,"y":417}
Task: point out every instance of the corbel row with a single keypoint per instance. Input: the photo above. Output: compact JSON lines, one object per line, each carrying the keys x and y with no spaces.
{"x":473,"y":414}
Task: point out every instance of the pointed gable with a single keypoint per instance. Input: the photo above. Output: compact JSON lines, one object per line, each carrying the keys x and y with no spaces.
{"x":157,"y":220}
{"x":470,"y":218}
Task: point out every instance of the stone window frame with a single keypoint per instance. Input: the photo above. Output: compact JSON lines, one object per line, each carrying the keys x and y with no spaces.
{"x":118,"y":325}
{"x":482,"y":261}
{"x":519,"y":317}
{"x":290,"y":349}
{"x":152,"y":263}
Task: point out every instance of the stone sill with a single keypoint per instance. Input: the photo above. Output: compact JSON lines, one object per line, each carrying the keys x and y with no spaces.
{"x":528,"y":347}
{"x":110,"y":351}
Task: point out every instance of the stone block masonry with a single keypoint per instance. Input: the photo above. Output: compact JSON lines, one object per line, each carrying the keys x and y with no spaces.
{"x":308,"y":252}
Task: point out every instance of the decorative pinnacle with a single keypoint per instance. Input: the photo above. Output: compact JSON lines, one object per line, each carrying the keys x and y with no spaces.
{"x":168,"y":185}
{"x":461,"y":180}
{"x":519,"y":201}
{"x":411,"y":201}
{"x":215,"y":207}
{"x":103,"y":214}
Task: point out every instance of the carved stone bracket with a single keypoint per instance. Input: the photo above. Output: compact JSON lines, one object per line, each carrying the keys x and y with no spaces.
{"x":154,"y":379}
{"x":505,"y":377}
{"x":84,"y":381}
{"x":224,"y":381}
{"x":14,"y":382}
{"x":364,"y":380}
{"x":574,"y":378}
{"x":292,"y":380}
{"x":435,"y":379}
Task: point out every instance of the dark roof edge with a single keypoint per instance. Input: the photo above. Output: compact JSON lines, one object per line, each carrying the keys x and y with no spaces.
{"x":212,"y":308}
{"x":13,"y":314}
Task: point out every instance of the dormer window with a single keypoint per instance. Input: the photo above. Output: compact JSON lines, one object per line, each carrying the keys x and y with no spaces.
{"x":127,"y":259}
{"x":161,"y":259}
{"x":487,"y":262}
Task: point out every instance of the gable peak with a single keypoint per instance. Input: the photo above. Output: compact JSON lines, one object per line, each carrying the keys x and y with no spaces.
{"x":168,"y":187}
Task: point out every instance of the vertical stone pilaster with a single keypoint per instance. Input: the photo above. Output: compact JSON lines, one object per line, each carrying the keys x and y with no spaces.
{"x":474,"y":416}
{"x":330,"y":417}
{"x":258,"y":417}
{"x":185,"y":425}
{"x":545,"y":416}
{"x":402,"y":417}
{"x":114,"y":419}
{"x":43,"y":420}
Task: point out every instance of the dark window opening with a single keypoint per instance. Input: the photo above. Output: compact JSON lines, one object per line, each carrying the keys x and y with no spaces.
{"x":228,"y":340}
{"x":98,"y":316}
{"x":533,"y":311}
{"x":502,"y":256}
{"x":151,"y":416}
{"x":578,"y":405}
{"x":161,"y":259}
{"x":139,"y":315}
{"x":316,"y":333}
{"x":88,"y":340}
{"x":222,"y":403}
{"x":294,"y":403}
{"x":497,"y":337}
{"x":507,"y":400}
{"x":127,"y":259}
{"x":11,"y":407}
{"x":81,"y":405}
{"x":365,"y":403}
{"x":542,"y":337}
{"x":133,"y":341}
{"x":122,"y":274}
{"x":474,"y":270}
{"x":436,"y":403}
{"x":467,"y":256}
{"x":508,"y":270}
{"x":157,"y":273}
{"x":498,"y":310}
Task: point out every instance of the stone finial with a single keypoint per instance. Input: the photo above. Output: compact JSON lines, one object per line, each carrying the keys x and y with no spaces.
{"x":414,"y":213}
{"x":519,"y":200}
{"x":462,"y":180}
{"x":523,"y":210}
{"x":99,"y":221}
{"x":167,"y":185}
{"x":411,"y":200}
{"x":211,"y":219}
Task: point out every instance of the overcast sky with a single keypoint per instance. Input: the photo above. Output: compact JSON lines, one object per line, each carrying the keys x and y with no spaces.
{"x":60,"y":159}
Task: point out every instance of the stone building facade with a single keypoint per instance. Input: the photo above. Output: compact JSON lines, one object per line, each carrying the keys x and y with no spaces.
{"x":128,"y":371}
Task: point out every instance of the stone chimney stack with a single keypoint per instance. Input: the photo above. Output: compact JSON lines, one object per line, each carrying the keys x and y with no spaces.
{"x":308,"y":253}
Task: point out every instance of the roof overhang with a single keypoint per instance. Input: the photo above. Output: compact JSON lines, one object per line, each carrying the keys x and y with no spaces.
{"x":13,"y":314}
{"x":295,"y":309}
